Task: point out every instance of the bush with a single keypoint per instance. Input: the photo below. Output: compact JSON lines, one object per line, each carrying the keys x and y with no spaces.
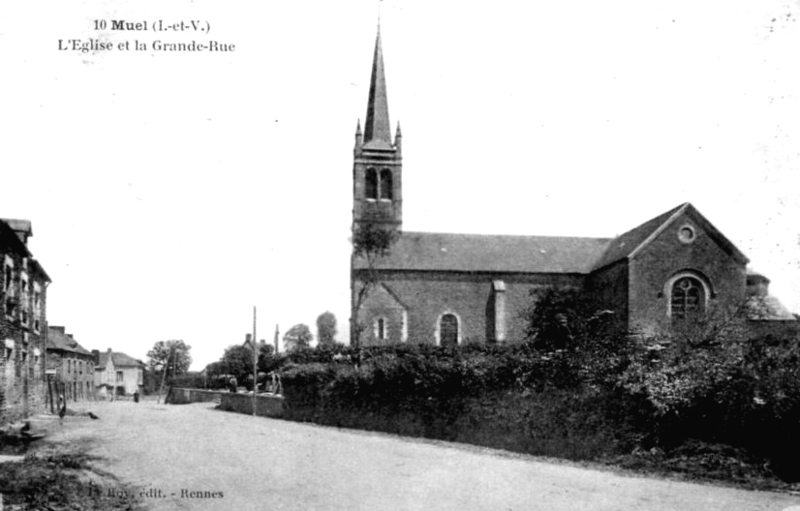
{"x":302,"y":386}
{"x":606,"y":396}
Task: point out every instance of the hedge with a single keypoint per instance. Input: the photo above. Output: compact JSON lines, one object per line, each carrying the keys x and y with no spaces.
{"x":611,"y":398}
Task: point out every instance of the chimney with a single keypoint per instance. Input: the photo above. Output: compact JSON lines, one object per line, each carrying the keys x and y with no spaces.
{"x":96,"y":356}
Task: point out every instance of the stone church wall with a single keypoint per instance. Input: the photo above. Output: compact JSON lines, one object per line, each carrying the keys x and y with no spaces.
{"x":470,"y":297}
{"x":666,"y":256}
{"x":381,"y":304}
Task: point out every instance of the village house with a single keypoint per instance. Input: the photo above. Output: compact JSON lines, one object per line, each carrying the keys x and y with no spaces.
{"x":449,"y":289}
{"x":23,"y":323}
{"x":70,"y":366}
{"x":117,"y":374}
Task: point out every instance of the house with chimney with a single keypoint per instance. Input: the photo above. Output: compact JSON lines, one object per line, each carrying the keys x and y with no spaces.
{"x":70,"y":366}
{"x":117,"y":374}
{"x":23,"y":323}
{"x":451,"y":289}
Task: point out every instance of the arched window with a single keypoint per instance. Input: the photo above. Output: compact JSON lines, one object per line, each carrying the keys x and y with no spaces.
{"x":386,"y":185}
{"x":687,"y":298}
{"x":372,"y":184}
{"x":448,"y":330}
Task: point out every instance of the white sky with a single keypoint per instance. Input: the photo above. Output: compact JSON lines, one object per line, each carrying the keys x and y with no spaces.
{"x":170,"y":193}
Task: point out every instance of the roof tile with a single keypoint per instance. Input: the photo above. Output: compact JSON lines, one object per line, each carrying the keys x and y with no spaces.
{"x":491,"y":253}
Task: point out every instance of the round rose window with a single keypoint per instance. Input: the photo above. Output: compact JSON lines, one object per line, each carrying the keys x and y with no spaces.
{"x":686,"y":234}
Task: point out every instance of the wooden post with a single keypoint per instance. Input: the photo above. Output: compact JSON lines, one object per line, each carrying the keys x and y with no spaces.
{"x":255,"y":362}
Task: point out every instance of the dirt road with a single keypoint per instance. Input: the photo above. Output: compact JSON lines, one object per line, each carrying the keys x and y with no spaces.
{"x":196,"y":457}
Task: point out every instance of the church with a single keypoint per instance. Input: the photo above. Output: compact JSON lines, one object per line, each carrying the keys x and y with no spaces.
{"x":453,"y":289}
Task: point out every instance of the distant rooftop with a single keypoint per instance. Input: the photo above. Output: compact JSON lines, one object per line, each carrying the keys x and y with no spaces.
{"x":119,"y":359}
{"x":57,"y":339}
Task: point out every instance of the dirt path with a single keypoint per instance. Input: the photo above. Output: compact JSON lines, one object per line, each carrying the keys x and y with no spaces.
{"x":195,"y":457}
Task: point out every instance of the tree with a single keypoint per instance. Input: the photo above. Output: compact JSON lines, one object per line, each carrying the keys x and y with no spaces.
{"x":214,"y":369}
{"x":299,"y":336}
{"x":268,"y":360}
{"x":326,"y":328}
{"x":237,"y":360}
{"x":564,"y":318}
{"x":370,"y":243}
{"x":585,"y":338}
{"x":173,"y":352}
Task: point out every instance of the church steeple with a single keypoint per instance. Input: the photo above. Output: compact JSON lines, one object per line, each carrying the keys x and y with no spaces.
{"x":378,"y":163}
{"x":377,"y":130}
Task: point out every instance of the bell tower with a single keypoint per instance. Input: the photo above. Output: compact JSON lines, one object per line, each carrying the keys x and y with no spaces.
{"x":377,"y":162}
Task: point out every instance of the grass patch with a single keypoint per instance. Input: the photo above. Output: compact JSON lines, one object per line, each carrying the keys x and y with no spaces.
{"x":54,"y":477}
{"x":700,"y":461}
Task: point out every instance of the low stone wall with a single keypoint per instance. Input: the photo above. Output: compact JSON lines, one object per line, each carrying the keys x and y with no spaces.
{"x":185,"y":396}
{"x":266,"y":405}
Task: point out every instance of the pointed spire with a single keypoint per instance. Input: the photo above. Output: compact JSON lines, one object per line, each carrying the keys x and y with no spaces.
{"x":398,"y":138}
{"x":359,"y":137}
{"x":377,"y":131}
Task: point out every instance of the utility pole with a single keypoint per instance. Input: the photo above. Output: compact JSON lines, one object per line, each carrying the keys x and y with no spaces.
{"x":255,"y":362}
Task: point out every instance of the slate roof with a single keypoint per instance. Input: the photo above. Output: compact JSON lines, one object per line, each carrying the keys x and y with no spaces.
{"x":377,"y":132}
{"x":754,"y":276}
{"x":119,"y":359}
{"x":19,"y":225}
{"x":58,"y":340}
{"x":39,"y":270}
{"x":423,"y":251}
{"x":491,"y":253}
{"x":9,"y":239}
{"x":767,"y":308}
{"x":623,"y":245}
